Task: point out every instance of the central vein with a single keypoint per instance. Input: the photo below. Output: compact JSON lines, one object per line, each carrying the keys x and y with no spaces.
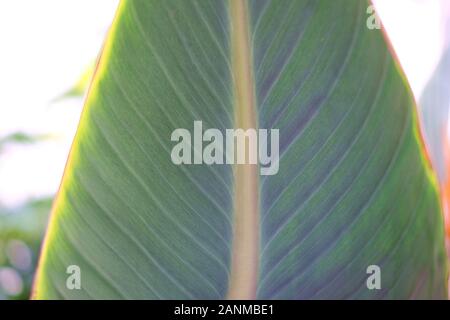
{"x":245,"y":255}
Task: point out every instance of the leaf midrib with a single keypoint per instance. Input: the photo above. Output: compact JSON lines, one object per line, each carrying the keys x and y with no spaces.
{"x":245,"y":249}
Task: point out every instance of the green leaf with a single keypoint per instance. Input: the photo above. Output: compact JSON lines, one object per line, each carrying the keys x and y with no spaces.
{"x":353,"y":189}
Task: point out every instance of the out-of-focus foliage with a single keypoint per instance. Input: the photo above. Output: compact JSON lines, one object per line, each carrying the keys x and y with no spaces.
{"x":20,"y":138}
{"x":434,"y":109}
{"x":21,"y":232}
{"x":434,"y":106}
{"x":22,"y":228}
{"x":80,"y":87}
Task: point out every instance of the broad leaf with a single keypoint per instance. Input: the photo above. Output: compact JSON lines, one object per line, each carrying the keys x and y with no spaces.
{"x":354,"y":188}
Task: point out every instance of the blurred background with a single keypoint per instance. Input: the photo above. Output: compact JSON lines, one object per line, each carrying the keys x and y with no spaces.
{"x":48,"y":50}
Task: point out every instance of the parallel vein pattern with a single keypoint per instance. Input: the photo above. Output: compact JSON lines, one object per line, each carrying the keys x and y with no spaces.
{"x":153,"y":229}
{"x":353,"y":189}
{"x":352,"y":171}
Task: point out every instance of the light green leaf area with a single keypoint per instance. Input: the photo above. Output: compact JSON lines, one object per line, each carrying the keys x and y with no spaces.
{"x":354,"y":188}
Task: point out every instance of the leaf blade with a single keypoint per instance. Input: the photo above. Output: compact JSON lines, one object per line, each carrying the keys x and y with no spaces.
{"x":354,"y":188}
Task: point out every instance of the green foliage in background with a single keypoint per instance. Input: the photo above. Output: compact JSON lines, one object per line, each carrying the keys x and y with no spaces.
{"x":21,"y":232}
